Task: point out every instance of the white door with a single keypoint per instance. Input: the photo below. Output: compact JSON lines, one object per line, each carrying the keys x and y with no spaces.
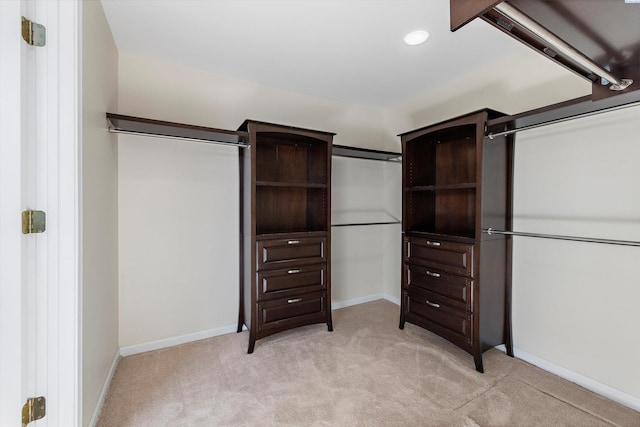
{"x":39,"y":293}
{"x":24,"y":309}
{"x":17,"y":337}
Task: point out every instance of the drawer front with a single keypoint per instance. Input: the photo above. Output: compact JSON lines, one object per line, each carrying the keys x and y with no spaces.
{"x":454,"y":325}
{"x":290,"y":281}
{"x":451,"y":257}
{"x":283,"y":253}
{"x":289,"y":312}
{"x":455,"y":291}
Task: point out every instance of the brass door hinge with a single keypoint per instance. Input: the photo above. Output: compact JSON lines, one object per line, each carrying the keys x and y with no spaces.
{"x":33,"y":33}
{"x":33,"y":410}
{"x":33,"y":222}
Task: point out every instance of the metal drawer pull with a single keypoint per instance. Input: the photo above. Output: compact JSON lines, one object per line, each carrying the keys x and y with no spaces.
{"x":293,"y":271}
{"x":293,"y":242}
{"x":432,"y":274}
{"x":430,"y":243}
{"x":432,"y":304}
{"x":293,"y":300}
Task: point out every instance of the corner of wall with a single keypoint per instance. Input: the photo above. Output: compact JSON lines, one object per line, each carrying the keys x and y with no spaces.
{"x":98,"y":210}
{"x":95,"y":416}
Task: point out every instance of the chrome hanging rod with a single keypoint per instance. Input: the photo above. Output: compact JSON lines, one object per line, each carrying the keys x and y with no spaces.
{"x":560,"y":45}
{"x":492,"y":135}
{"x":491,"y":231}
{"x":183,"y":138}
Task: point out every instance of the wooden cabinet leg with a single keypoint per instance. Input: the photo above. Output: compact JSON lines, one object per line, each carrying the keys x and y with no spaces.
{"x":478,"y":360}
{"x":252,"y":343}
{"x":509,"y":347}
{"x":402,"y":310}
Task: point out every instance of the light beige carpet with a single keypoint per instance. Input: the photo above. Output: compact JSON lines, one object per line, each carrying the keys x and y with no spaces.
{"x":367,"y":372}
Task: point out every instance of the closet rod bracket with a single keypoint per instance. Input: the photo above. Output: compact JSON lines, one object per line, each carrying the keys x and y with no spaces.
{"x":624,"y":83}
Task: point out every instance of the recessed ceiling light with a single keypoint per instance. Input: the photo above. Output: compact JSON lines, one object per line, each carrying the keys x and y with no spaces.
{"x":415,"y":38}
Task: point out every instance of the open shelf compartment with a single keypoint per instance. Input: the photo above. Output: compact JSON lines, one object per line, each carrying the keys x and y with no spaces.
{"x":282,"y":159}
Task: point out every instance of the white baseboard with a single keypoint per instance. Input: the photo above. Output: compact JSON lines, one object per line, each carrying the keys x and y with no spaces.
{"x":365,"y":299}
{"x":105,"y":389}
{"x":356,"y":301}
{"x":394,"y":300}
{"x":588,"y":383}
{"x":181,"y":339}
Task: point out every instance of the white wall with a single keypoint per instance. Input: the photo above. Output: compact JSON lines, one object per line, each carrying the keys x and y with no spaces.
{"x":392,"y":237}
{"x":179,"y":273}
{"x":178,"y":238}
{"x":164,"y":91}
{"x":363,"y":256}
{"x":518,"y":83}
{"x":575,"y":304}
{"x":99,"y":208}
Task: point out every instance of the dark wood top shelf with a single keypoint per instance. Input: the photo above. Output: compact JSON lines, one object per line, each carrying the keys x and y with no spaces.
{"x":365,"y":153}
{"x":140,"y":126}
{"x":282,"y":129}
{"x":563,"y":111}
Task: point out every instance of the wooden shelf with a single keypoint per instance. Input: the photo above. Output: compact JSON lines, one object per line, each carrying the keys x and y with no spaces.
{"x":440,"y":236}
{"x":364,"y":153}
{"x":363,"y":217}
{"x":290,"y":234}
{"x":140,"y":126}
{"x":563,"y":111}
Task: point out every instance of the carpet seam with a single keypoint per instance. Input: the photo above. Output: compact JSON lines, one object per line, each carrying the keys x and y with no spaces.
{"x":568,"y":403}
{"x":478,"y":396}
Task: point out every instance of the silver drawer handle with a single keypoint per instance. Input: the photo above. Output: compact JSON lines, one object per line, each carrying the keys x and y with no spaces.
{"x":293,"y":300}
{"x":430,"y":243}
{"x":293,"y":242}
{"x":432,"y":274}
{"x":293,"y":271}
{"x":432,"y":304}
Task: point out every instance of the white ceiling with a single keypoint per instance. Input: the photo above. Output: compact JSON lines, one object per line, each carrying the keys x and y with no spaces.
{"x":346,"y":50}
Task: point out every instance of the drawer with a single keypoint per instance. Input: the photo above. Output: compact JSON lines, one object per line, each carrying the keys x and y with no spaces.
{"x":454,"y":325}
{"x":453,"y":290}
{"x":293,"y":311}
{"x":289,"y":281}
{"x":283,"y":253}
{"x":450,"y":257}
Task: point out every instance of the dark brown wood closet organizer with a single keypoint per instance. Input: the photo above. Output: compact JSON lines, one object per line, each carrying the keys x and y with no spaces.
{"x":286,"y":227}
{"x":455,"y":279}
